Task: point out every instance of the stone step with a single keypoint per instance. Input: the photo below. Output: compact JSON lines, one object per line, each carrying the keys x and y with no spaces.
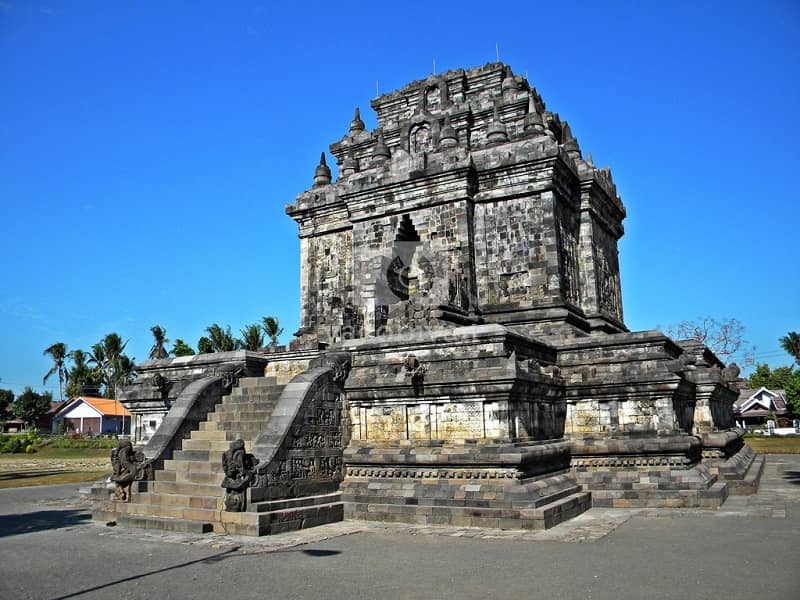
{"x":556,"y":512}
{"x":192,"y":465}
{"x":288,"y":503}
{"x":254,"y":382}
{"x":748,"y":485}
{"x":208,"y":434}
{"x":258,"y":396}
{"x":225,"y":425}
{"x":713,"y":497}
{"x":297,"y":513}
{"x":221,"y":445}
{"x":206,"y":515}
{"x":162,"y":523}
{"x":258,"y":415}
{"x":184,"y":500}
{"x":232,"y":427}
{"x":543,"y":517}
{"x":165,"y":475}
{"x":186,"y":488}
{"x":200,"y":455}
{"x":199,"y":477}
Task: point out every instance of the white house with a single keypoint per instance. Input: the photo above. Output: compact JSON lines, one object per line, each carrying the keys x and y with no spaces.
{"x":754,"y":406}
{"x":88,"y":416}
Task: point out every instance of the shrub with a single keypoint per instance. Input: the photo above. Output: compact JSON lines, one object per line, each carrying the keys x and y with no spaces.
{"x":78,"y":442}
{"x":11,"y":444}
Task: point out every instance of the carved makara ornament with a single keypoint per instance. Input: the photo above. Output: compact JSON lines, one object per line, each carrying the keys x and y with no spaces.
{"x":127,"y":466}
{"x":239,"y":467}
{"x":338,"y":362}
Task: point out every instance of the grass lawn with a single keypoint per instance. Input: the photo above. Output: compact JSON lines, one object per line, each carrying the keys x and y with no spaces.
{"x":54,"y":465}
{"x":774,"y":444}
{"x":47,"y":452}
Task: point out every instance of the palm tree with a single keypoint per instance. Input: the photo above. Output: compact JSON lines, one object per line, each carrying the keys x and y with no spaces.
{"x":252,"y":338}
{"x":222,"y":340}
{"x":111,"y":363}
{"x":58,"y":352}
{"x":181,"y":348}
{"x":791,"y":343}
{"x":159,"y":342}
{"x":126,"y":371}
{"x":97,"y":357}
{"x":204,"y":346}
{"x":82,"y":379}
{"x":272,"y":328}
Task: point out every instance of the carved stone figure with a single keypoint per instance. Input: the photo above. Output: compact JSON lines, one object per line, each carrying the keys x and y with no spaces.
{"x":416,"y":371}
{"x":238,"y":466}
{"x":339,"y":362}
{"x":127,"y":466}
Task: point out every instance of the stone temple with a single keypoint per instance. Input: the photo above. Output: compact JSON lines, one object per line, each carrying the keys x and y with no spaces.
{"x":462,"y":356}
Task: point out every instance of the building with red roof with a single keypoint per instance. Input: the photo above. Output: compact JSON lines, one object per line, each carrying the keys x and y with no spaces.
{"x":88,"y":416}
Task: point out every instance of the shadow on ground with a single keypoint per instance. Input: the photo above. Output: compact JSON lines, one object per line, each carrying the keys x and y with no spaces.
{"x":792,"y":477}
{"x":29,"y":474}
{"x":42,"y":520}
{"x":215,"y":558}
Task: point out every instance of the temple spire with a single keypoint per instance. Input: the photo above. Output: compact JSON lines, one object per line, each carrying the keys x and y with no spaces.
{"x":497,"y":131}
{"x":322,"y":174}
{"x":349,"y":164}
{"x":533,"y":120}
{"x":381,"y":152}
{"x":448,"y":137}
{"x":356,"y":125}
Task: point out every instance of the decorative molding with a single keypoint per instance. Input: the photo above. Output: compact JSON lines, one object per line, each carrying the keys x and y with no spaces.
{"x":431,"y":473}
{"x":630,"y":461}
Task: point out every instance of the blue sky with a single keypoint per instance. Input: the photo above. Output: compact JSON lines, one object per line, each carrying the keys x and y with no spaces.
{"x":148,"y":149}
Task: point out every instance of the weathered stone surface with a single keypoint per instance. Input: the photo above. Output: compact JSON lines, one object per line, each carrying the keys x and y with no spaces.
{"x":462,"y":356}
{"x":471,"y":203}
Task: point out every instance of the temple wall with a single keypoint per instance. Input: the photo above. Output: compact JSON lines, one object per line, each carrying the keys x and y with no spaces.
{"x":515,"y":251}
{"x":326,"y":277}
{"x":434,"y":270}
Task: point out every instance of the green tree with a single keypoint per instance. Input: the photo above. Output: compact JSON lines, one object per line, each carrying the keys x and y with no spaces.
{"x":125,"y":371}
{"x":204,"y":346}
{"x":160,"y":341}
{"x":181,"y":348}
{"x":252,"y":338}
{"x":773,"y":379}
{"x":780,"y":378}
{"x":58,"y":352}
{"x":97,"y":358}
{"x":222,"y":340}
{"x":272,"y":329}
{"x":83,"y":380}
{"x":792,"y":391}
{"x":791,"y":343}
{"x":111,"y":363}
{"x":6,"y":400}
{"x":30,"y":406}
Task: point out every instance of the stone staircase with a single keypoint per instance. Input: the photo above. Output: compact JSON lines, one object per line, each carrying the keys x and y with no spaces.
{"x":186,"y":495}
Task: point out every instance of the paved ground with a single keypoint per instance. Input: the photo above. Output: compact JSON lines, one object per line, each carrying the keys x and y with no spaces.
{"x":747,"y":549}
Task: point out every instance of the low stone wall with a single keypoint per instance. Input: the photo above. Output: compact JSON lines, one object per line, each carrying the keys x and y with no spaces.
{"x":300,"y":451}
